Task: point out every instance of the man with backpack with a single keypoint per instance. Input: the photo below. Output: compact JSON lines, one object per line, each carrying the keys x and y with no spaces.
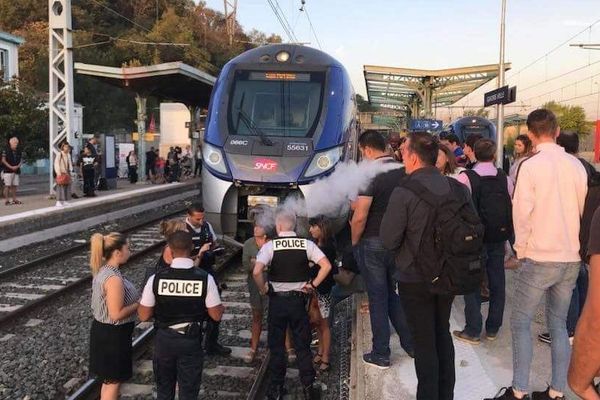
{"x":491,"y":191}
{"x":437,"y":238}
{"x":547,"y":206}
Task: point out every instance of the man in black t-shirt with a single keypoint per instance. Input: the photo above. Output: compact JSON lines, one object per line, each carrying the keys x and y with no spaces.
{"x":375,"y":262}
{"x":11,"y":164}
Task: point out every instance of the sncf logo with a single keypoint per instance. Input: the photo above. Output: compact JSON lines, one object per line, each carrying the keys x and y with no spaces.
{"x":265,"y":164}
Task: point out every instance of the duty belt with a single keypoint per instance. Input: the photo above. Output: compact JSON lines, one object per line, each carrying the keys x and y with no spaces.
{"x":185,"y":328}
{"x":291,"y":293}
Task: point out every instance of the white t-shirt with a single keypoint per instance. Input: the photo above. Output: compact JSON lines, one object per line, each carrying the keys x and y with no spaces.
{"x":212,"y":292}
{"x":265,"y":256}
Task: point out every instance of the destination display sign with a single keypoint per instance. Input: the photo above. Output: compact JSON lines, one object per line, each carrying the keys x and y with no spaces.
{"x":280,"y":76}
{"x":503,"y":95}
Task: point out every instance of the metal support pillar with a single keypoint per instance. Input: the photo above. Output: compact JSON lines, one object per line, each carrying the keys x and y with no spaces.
{"x":230,"y":15}
{"x":60,"y":79}
{"x":140,"y":102}
{"x":500,"y":123}
{"x":428,"y":98}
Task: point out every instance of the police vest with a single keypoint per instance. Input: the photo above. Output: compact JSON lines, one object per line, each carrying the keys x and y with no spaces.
{"x":290,"y":260}
{"x":180,"y":296}
{"x":200,"y":238}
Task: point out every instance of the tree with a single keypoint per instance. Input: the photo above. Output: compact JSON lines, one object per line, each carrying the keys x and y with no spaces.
{"x":570,"y":118}
{"x":23,"y":114}
{"x":482,"y":112}
{"x":363,"y":105}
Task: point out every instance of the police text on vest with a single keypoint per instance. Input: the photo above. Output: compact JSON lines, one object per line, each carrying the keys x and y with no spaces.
{"x":289,"y":244}
{"x":178,"y":287}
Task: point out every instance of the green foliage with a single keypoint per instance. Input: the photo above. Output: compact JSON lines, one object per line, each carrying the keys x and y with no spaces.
{"x":24,"y":115}
{"x":102,"y":37}
{"x":363,"y":105}
{"x":570,"y":118}
{"x":482,"y":112}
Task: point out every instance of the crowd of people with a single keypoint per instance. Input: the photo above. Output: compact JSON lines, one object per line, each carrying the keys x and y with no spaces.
{"x":444,"y":222}
{"x":180,"y":164}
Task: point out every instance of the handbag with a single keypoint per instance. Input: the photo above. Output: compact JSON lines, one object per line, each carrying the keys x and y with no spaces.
{"x":65,"y":178}
{"x":344,"y":277}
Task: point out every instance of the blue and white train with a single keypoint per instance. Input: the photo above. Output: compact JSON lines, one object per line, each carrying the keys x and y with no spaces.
{"x":280,"y":117}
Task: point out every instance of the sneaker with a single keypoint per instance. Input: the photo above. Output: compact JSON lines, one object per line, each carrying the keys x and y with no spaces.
{"x":508,"y":394}
{"x":74,"y":195}
{"x":250,"y":356}
{"x":276,"y":392}
{"x":59,"y":204}
{"x":218,"y":350}
{"x":376,"y":362}
{"x":545,"y":395}
{"x":545,"y":337}
{"x":491,"y":336}
{"x":464,"y":337}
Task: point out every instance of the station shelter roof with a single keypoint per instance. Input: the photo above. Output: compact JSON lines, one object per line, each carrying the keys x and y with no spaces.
{"x":174,"y":81}
{"x":403,"y":88}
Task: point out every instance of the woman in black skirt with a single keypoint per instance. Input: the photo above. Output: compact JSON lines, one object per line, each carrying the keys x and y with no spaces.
{"x":114,"y":304}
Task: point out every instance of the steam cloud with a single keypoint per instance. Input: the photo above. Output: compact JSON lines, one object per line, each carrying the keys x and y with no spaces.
{"x":331,"y":196}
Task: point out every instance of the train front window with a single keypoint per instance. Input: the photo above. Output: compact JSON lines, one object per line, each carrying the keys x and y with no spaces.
{"x":275,"y":103}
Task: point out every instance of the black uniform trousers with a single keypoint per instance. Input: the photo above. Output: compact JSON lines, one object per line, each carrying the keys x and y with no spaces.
{"x":177,"y":360}
{"x":88,"y":181}
{"x":428,"y":317}
{"x":212,"y":327}
{"x":284,"y":312}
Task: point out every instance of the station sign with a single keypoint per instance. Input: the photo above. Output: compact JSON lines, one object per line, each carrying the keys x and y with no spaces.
{"x":503,"y":95}
{"x":426,"y":125}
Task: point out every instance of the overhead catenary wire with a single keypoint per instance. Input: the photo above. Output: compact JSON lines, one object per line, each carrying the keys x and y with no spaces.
{"x":120,"y":15}
{"x":282,"y":21}
{"x":118,"y":39}
{"x":312,"y":28}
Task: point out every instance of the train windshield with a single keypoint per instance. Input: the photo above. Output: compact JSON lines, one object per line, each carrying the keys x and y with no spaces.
{"x":275,"y":103}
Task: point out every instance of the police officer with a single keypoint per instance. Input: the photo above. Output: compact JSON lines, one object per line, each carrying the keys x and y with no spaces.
{"x":289,"y":288}
{"x":203,"y":233}
{"x":180,"y":297}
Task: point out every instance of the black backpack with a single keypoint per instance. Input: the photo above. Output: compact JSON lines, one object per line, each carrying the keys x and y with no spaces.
{"x":592,"y":202}
{"x":493,"y":204}
{"x":450,"y":250}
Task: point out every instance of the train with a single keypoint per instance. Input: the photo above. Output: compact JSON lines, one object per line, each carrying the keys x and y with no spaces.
{"x":280,"y":117}
{"x":465,"y":126}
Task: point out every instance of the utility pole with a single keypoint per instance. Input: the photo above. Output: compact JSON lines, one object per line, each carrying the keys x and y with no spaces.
{"x":500,"y":123}
{"x":230,"y":15}
{"x":60,"y":79}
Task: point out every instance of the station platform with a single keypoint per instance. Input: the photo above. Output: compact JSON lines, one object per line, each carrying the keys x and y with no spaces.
{"x":38,"y":219}
{"x":480,"y":370}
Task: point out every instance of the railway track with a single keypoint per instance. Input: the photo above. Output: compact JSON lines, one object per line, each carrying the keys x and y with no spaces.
{"x":29,"y":285}
{"x":223,"y":377}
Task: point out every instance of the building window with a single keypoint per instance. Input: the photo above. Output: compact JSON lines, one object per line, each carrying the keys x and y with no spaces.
{"x":4,"y":74}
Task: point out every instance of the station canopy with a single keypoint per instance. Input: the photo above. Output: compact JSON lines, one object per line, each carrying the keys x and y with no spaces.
{"x":174,"y":81}
{"x":414,"y":90}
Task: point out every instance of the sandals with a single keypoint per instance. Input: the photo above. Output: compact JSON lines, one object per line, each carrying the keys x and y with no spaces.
{"x":250,"y":356}
{"x":7,"y":203}
{"x":317,"y":359}
{"x":323,"y":367}
{"x":17,"y":202}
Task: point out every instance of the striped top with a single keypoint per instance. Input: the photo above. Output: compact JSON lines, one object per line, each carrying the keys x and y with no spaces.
{"x":99,"y":307}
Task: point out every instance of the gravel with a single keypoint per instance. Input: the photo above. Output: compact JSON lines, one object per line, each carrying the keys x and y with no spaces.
{"x":30,"y":252}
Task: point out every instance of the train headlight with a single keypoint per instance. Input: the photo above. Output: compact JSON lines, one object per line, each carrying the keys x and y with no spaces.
{"x":282,"y":56}
{"x":323,"y":161}
{"x":214,"y":158}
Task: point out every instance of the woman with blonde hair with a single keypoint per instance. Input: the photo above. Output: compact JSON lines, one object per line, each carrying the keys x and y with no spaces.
{"x":114,"y":305}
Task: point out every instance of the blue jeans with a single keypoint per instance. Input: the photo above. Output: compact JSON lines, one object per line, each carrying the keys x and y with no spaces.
{"x":535,"y":279}
{"x":578,"y":299}
{"x":494,"y":266}
{"x":376,"y":267}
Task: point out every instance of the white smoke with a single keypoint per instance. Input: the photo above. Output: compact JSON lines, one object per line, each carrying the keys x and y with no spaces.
{"x":331,"y":196}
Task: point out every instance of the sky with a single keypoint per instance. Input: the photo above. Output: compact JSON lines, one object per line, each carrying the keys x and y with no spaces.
{"x":434,"y":34}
